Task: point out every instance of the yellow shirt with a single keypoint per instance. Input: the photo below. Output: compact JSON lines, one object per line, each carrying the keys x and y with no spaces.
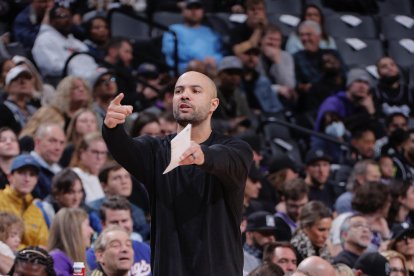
{"x":36,"y":232}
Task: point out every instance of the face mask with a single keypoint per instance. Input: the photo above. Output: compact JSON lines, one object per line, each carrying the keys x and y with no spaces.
{"x":336,"y":129}
{"x":389,"y":80}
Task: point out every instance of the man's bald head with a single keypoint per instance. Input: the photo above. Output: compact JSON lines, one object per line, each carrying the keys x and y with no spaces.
{"x":203,"y":79}
{"x":316,"y":266}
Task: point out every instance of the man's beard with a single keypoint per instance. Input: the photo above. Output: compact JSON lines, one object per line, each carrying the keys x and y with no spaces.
{"x":316,"y":182}
{"x":194,"y":119}
{"x":389,"y":80}
{"x":359,"y":245}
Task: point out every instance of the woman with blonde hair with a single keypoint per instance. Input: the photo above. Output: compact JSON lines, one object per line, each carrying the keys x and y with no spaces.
{"x":89,"y":156}
{"x":343,"y":270}
{"x":72,"y":93}
{"x":69,"y":237}
{"x":398,"y":263}
{"x":84,"y":121}
{"x":311,"y":238}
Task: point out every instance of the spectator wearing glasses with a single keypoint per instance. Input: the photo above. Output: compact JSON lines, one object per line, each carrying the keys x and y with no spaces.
{"x":398,"y":264}
{"x":295,"y":196}
{"x":403,"y":242}
{"x":356,"y":236}
{"x":372,"y":201}
{"x":104,"y":89}
{"x":89,"y":157}
{"x":16,"y":110}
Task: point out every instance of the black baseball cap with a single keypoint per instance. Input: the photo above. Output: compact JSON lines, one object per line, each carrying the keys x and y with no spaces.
{"x":262,"y":221}
{"x":282,"y":162}
{"x":402,"y":230}
{"x":317,"y":155}
{"x":373,"y":264}
{"x":193,"y":4}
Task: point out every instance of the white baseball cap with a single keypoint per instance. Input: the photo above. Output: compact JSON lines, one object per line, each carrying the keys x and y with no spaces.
{"x":17,"y":71}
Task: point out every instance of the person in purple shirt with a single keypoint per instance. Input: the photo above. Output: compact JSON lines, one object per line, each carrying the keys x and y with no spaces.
{"x":70,"y":235}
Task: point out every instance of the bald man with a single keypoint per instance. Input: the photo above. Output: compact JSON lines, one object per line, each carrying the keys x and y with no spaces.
{"x":196,"y":209}
{"x":315,"y":266}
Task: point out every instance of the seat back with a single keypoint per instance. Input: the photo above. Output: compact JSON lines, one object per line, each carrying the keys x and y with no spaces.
{"x":284,"y":6}
{"x":363,"y":57}
{"x":394,"y":7}
{"x":337,"y":27}
{"x":401,"y":56}
{"x":391,"y":29}
{"x":124,"y":25}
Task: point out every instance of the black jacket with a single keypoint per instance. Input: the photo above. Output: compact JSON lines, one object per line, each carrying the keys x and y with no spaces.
{"x":195,"y":210}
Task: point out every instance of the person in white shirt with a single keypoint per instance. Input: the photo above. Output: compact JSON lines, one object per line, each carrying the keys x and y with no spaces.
{"x":90,"y":155}
{"x":55,"y":44}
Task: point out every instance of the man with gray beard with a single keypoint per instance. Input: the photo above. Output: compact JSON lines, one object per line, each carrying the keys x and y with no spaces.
{"x":355,"y":236}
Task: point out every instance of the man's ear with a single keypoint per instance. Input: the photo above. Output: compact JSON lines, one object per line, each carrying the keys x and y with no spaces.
{"x":343,"y":236}
{"x":99,"y":256}
{"x":214,"y":104}
{"x":104,"y":187}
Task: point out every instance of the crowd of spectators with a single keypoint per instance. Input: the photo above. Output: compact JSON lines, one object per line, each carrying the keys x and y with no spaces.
{"x":331,"y":186}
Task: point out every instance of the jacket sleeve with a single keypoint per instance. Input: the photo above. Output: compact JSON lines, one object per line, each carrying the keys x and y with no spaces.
{"x":135,"y":155}
{"x":48,"y":54}
{"x":230,"y":162}
{"x":24,"y":31}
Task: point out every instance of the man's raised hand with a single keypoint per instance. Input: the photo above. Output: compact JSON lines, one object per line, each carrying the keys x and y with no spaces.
{"x":117,"y":113}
